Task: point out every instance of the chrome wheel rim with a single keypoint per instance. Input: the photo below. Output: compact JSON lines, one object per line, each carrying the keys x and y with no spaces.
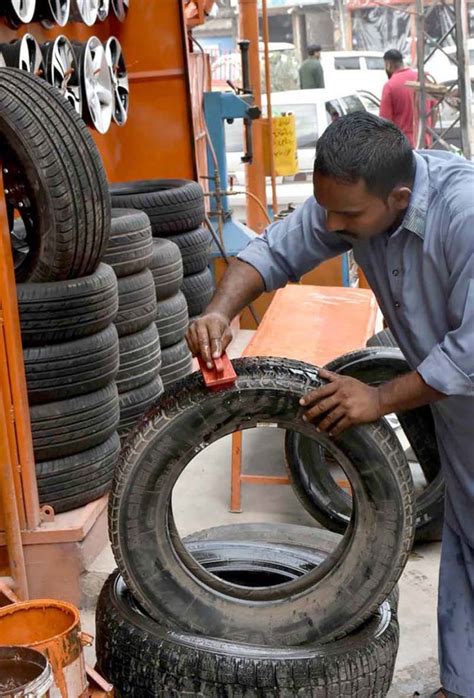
{"x":85,"y":11}
{"x":57,"y":12}
{"x":23,"y":10}
{"x":62,"y":71}
{"x":103,"y":10}
{"x":120,"y":8}
{"x":119,"y":75}
{"x":97,"y":85}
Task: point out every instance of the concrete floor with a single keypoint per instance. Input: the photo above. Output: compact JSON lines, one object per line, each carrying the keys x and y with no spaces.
{"x":209,"y":475}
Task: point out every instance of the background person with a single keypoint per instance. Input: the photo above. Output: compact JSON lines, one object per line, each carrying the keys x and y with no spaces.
{"x":311,"y":71}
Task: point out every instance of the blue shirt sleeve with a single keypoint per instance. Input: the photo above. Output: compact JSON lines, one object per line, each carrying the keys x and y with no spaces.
{"x":449,"y":367}
{"x":291,"y":247}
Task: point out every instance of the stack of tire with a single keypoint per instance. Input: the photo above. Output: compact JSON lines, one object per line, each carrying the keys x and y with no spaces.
{"x":176,"y":212}
{"x":67,"y":298}
{"x":130,"y":254}
{"x":252,"y":610}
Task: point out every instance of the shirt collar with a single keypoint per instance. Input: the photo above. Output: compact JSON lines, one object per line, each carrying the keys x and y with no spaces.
{"x":415,"y":216}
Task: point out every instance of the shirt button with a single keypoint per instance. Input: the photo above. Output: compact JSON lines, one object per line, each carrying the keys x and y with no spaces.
{"x":396,"y":272}
{"x":397,"y":304}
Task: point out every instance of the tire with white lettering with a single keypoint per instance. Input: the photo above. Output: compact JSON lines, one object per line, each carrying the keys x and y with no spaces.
{"x":324,"y":604}
{"x":142,"y":657}
{"x":310,"y":467}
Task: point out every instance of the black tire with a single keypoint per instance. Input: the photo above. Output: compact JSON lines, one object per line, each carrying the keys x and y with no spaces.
{"x":140,"y":359}
{"x":60,"y":371}
{"x":195,"y":248}
{"x":172,"y":320}
{"x":61,"y":311}
{"x":198,"y":289}
{"x":384,"y":338}
{"x":177,"y":363}
{"x":71,"y":482}
{"x":326,"y":603}
{"x":167,"y":268}
{"x":130,"y":247}
{"x":43,"y":138}
{"x":137,"y":303}
{"x":172,"y":205}
{"x":67,"y":427}
{"x":318,"y":541}
{"x":135,"y":404}
{"x":308,"y":466}
{"x":143,"y":659}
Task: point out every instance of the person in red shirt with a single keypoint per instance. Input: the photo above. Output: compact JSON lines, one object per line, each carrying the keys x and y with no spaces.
{"x":398,"y":100}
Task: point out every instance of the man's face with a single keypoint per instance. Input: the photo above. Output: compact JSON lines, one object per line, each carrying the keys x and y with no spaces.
{"x":354,"y":213}
{"x":317,"y":55}
{"x":389,"y":69}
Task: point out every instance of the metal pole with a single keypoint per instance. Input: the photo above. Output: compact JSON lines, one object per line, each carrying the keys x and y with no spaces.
{"x":255,"y":172}
{"x":464,"y":81}
{"x":420,"y":54}
{"x":16,"y":560}
{"x":268,"y":89}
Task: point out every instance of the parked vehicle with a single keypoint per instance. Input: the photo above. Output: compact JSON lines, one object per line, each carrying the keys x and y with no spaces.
{"x":443,"y":69}
{"x":314,"y":111}
{"x":354,"y":70}
{"x":283,"y":67}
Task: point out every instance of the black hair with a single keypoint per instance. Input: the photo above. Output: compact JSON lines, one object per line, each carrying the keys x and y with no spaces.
{"x":313,"y":48}
{"x":393,"y":55}
{"x":363,"y":146}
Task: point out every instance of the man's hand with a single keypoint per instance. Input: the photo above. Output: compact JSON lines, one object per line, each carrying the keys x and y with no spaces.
{"x":341,"y":404}
{"x":209,"y":336}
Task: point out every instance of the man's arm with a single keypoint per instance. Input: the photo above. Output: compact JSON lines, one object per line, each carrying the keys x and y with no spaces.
{"x":347,"y":401}
{"x":287,"y":250}
{"x":210,"y":335}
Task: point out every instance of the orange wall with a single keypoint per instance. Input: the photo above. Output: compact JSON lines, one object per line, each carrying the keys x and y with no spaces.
{"x":158,"y":139}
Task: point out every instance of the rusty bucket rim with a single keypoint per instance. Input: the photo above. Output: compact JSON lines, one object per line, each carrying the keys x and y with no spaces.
{"x":40,"y":603}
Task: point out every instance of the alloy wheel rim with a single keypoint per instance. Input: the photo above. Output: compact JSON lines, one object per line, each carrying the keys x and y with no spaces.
{"x":62,"y":71}
{"x":119,"y":75}
{"x":97,"y":85}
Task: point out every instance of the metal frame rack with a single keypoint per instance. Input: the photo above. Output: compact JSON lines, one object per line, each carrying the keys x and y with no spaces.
{"x":459,"y":88}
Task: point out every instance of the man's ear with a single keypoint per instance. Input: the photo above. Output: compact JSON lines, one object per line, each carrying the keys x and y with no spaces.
{"x":399,"y":198}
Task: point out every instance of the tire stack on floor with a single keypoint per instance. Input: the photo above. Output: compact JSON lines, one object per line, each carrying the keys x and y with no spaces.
{"x":67,"y":299}
{"x":130,"y":254}
{"x":176,"y":212}
{"x":252,"y":610}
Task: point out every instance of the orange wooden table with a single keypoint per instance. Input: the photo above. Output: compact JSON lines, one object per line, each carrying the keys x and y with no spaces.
{"x":307,"y":323}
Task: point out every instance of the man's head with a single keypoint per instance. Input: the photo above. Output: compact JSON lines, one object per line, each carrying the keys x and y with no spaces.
{"x":314,"y":51}
{"x":363,"y":175}
{"x":393,"y":60}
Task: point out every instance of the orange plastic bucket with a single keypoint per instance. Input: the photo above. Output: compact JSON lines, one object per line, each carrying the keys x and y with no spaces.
{"x":52,"y":627}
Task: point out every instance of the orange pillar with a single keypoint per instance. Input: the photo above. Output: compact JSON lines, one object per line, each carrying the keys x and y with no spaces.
{"x":254,"y":173}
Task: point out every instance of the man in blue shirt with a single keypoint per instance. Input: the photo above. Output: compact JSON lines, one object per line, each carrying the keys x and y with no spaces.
{"x":409,"y":219}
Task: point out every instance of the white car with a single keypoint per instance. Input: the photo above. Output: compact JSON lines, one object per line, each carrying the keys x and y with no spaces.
{"x":354,"y":70}
{"x":314,"y":110}
{"x":442,"y":69}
